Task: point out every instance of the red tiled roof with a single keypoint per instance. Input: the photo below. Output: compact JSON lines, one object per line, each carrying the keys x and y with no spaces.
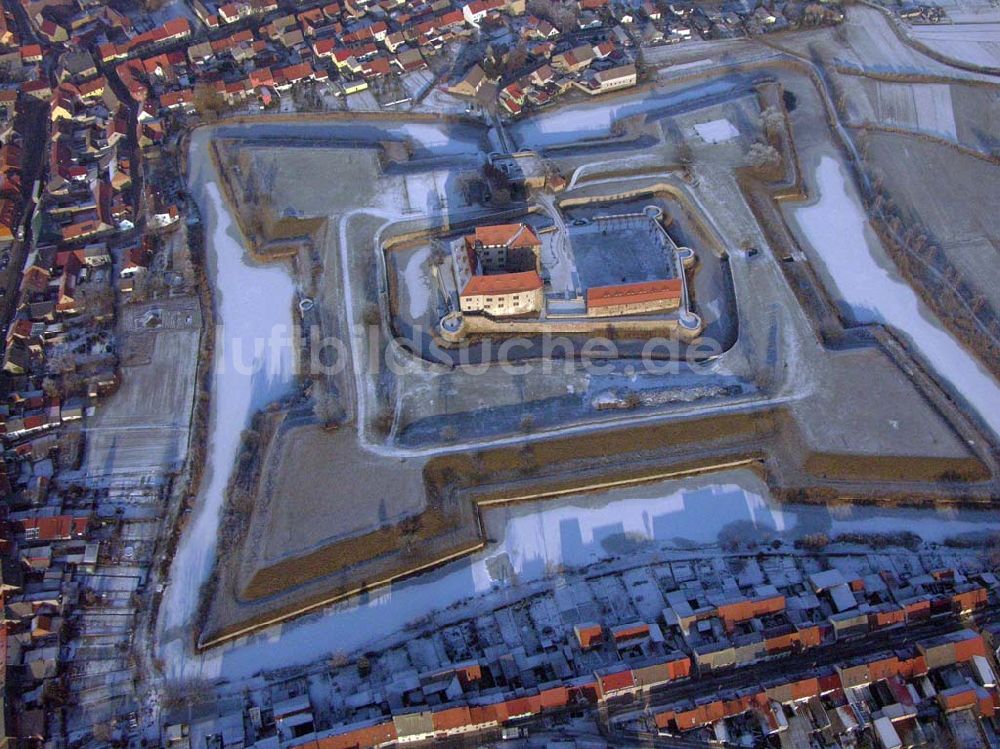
{"x":324,"y":47}
{"x":627,"y":631}
{"x":294,"y":73}
{"x":170,"y":99}
{"x":617,"y":680}
{"x":377,"y":67}
{"x":554,"y":697}
{"x":515,"y":236}
{"x":360,"y":738}
{"x":517,"y":707}
{"x":58,"y":527}
{"x":451,"y":718}
{"x":589,"y":635}
{"x":504,"y":283}
{"x":634,"y":293}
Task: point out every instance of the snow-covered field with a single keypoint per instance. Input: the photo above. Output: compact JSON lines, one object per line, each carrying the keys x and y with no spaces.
{"x":921,"y":106}
{"x":253,"y":365}
{"x":836,"y":227}
{"x":977,"y":42}
{"x":875,"y":46}
{"x":716,"y":131}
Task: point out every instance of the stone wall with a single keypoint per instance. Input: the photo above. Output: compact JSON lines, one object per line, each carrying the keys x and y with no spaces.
{"x":519,"y":303}
{"x":654,"y":306}
{"x":485,"y":325}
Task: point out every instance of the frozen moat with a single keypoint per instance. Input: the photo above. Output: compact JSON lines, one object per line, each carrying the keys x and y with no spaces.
{"x":536,"y":538}
{"x":253,"y":366}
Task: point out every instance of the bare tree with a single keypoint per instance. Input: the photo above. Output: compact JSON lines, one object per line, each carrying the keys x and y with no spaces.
{"x":772,"y":121}
{"x":763,"y":157}
{"x":562,"y":16}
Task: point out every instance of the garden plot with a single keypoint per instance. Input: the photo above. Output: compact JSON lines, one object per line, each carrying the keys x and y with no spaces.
{"x":363,"y":101}
{"x":110,"y":583}
{"x":615,"y":602}
{"x":140,"y":530}
{"x":142,"y":430}
{"x":645,"y":593}
{"x":106,"y":624}
{"x":417,"y":83}
{"x":418,"y":193}
{"x":439,"y":101}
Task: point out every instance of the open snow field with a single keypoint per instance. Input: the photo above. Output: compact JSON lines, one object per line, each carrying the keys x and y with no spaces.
{"x":536,"y":538}
{"x":977,"y":43}
{"x":253,"y":366}
{"x":873,"y":45}
{"x":836,"y":227}
{"x":922,"y":106}
{"x":955,"y":111}
{"x":716,"y":131}
{"x":958,"y":206}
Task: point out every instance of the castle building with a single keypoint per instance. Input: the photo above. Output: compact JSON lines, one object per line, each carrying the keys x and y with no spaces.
{"x":503,"y":295}
{"x":634,"y":298}
{"x":497,"y":270}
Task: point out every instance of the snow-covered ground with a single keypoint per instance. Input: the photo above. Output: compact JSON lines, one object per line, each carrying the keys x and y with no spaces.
{"x":440,"y":139}
{"x":716,"y":131}
{"x":917,"y":106}
{"x":253,"y":366}
{"x":588,"y":529}
{"x":977,"y":42}
{"x":417,"y":192}
{"x":538,"y":537}
{"x":836,"y":227}
{"x":418,"y":283}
